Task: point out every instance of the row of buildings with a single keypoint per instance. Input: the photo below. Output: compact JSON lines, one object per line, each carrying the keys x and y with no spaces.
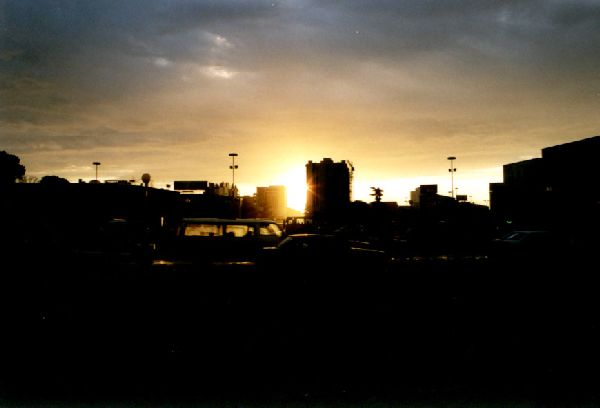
{"x":204,"y":198}
{"x":329,"y":193}
{"x":559,"y":190}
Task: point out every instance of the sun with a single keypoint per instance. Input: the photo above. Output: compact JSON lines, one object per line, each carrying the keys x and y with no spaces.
{"x":294,"y":181}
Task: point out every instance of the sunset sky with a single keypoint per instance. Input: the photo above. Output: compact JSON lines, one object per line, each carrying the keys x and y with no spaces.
{"x":172,"y":87}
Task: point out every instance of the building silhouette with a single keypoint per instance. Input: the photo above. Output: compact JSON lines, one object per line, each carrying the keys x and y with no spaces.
{"x":558,"y":191}
{"x":271,"y":202}
{"x":200,"y":198}
{"x":205,"y":187}
{"x":329,"y":189}
{"x":424,"y":196}
{"x":64,"y":218}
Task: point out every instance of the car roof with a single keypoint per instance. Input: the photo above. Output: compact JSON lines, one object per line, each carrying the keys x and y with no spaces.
{"x":311,"y":235}
{"x":227,"y":221}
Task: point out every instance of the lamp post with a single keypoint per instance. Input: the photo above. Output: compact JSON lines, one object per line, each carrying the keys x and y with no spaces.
{"x":233,"y":167}
{"x":452,"y":170}
{"x":96,"y":164}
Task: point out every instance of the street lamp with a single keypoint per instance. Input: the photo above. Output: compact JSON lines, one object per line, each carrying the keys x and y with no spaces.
{"x":452,"y":170}
{"x":96,"y":164}
{"x":233,"y":167}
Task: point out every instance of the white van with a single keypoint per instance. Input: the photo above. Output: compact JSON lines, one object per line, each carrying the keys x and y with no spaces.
{"x":239,"y":238}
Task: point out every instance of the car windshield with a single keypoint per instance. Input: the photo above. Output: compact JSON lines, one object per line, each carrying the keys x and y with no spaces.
{"x":232,"y":229}
{"x":514,"y":236}
{"x":527,"y":236}
{"x":239,"y":231}
{"x":270,"y":229}
{"x":202,"y":230}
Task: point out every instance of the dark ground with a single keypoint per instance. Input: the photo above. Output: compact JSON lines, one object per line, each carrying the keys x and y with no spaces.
{"x":488,"y":331}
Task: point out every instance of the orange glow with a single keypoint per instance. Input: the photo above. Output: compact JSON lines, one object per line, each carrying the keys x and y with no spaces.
{"x":294,"y":181}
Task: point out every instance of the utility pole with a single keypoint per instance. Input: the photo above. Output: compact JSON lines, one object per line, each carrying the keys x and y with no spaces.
{"x":96,"y":164}
{"x":452,"y":170}
{"x":233,"y":167}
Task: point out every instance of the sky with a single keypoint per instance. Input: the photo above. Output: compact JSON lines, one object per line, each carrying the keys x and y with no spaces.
{"x":170,"y":88}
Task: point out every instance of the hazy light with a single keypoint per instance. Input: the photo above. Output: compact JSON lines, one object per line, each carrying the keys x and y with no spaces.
{"x":221,"y":41}
{"x":215,"y":71}
{"x":161,"y":62}
{"x":294,"y":181}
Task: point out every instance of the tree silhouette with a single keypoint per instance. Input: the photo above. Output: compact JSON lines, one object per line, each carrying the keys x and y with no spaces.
{"x":53,"y":181}
{"x":11,"y":168}
{"x":27,"y":179}
{"x":377,"y":193}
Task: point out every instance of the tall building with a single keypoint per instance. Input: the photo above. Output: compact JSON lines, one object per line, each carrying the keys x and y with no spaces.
{"x":558,"y":190}
{"x":329,"y":189}
{"x":424,"y":196}
{"x":271,"y":202}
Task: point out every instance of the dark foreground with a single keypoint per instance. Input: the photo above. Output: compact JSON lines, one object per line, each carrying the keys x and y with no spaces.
{"x":417,"y":332}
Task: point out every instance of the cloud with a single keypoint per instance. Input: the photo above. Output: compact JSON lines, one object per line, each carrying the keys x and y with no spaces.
{"x":218,"y":72}
{"x":101,"y":48}
{"x":161,"y":62}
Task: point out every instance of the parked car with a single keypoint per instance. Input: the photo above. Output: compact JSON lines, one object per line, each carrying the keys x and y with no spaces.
{"x":218,"y":239}
{"x":318,"y":251}
{"x":529,"y":245}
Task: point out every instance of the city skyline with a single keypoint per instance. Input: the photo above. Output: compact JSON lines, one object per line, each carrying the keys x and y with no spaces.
{"x":171,"y":88}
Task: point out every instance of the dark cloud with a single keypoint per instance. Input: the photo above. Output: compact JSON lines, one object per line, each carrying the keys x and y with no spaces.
{"x":86,"y":139}
{"x":107,"y":47}
{"x":182,"y":16}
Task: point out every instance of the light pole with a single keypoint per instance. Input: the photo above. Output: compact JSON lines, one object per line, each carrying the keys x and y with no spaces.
{"x":233,"y":167}
{"x":452,"y":170}
{"x":96,"y":164}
